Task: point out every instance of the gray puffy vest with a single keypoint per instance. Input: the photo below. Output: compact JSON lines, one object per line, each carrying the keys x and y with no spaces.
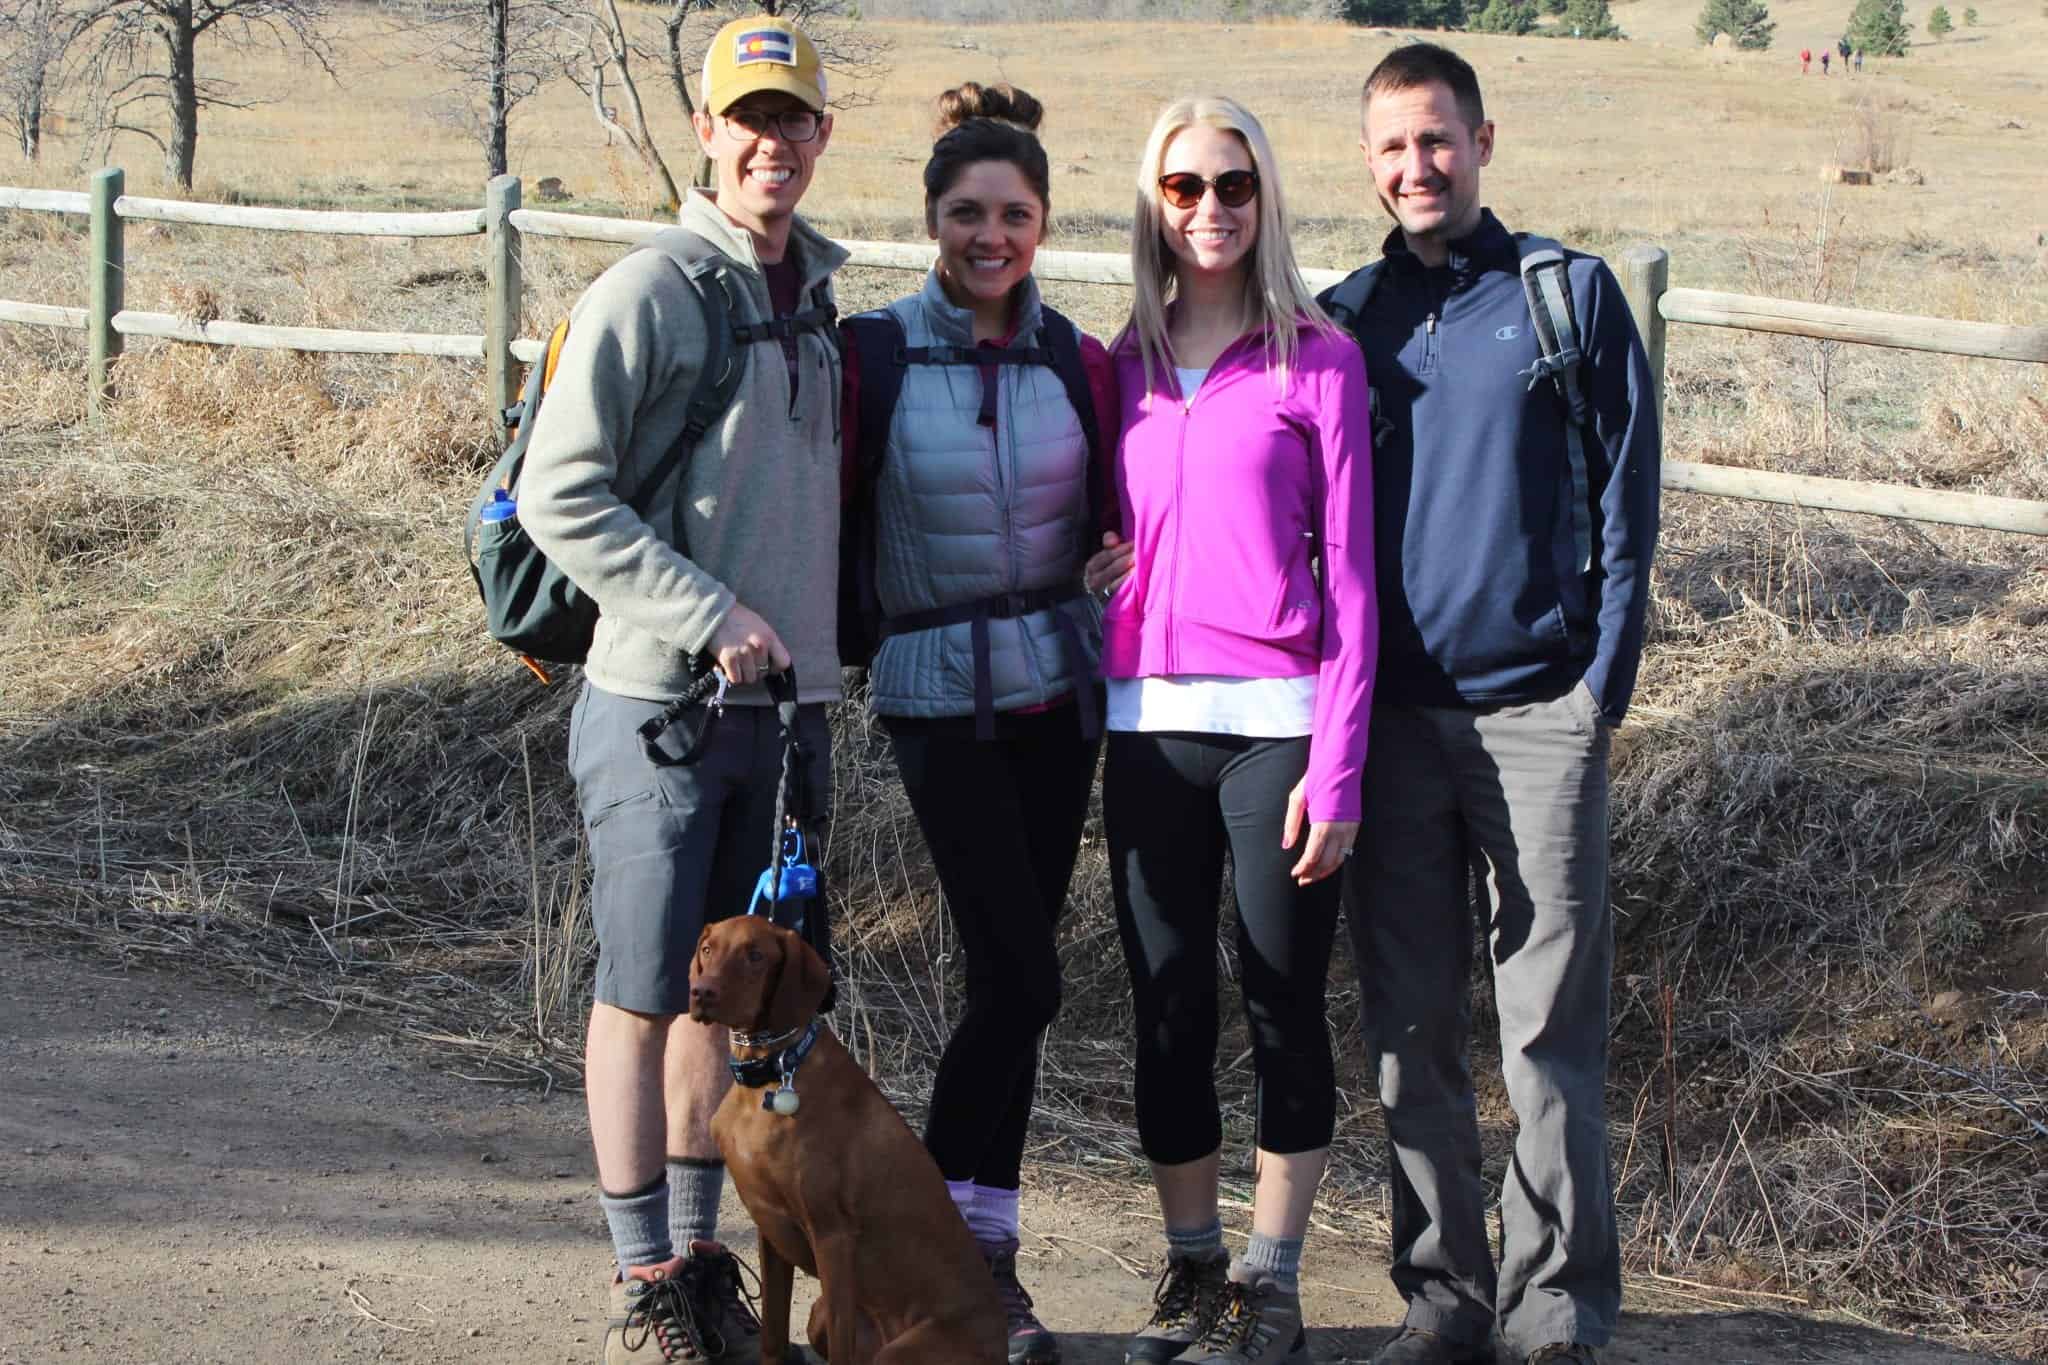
{"x":966,"y":512}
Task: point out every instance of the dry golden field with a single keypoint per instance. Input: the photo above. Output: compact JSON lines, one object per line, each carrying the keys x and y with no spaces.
{"x":252,"y":727}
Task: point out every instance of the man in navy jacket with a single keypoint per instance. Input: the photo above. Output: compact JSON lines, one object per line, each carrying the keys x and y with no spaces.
{"x":1512,"y":593}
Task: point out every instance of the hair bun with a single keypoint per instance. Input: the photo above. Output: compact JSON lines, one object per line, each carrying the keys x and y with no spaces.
{"x":973,"y":100}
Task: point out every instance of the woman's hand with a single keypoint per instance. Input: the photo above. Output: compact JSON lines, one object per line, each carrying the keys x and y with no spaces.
{"x":1108,"y":567}
{"x":1329,"y":841}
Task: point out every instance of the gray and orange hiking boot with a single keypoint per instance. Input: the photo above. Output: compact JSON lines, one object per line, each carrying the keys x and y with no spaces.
{"x":1030,"y":1341}
{"x":652,"y":1320}
{"x":1260,"y":1324}
{"x":723,"y":1308}
{"x":1185,"y":1303}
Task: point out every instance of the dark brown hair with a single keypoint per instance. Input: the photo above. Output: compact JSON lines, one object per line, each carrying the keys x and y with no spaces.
{"x":977,"y":122}
{"x":1412,"y":65}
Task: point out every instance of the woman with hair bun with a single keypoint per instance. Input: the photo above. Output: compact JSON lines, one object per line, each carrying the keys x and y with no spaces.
{"x":1239,"y":644}
{"x":977,"y":425}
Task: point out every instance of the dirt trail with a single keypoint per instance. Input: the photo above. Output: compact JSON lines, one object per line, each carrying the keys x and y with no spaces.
{"x":189,"y":1175}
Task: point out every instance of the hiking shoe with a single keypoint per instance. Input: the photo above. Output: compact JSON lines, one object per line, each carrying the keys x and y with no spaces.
{"x":1030,"y":1342}
{"x":1564,"y":1353}
{"x":1184,"y":1305}
{"x":1259,"y":1324}
{"x":1415,"y":1346}
{"x":728,"y":1324}
{"x":652,"y":1319}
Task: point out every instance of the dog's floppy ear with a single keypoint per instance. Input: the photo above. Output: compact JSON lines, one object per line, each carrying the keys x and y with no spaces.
{"x":802,"y":985}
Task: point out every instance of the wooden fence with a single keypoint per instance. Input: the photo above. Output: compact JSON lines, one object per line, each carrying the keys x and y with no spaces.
{"x":503,"y":224}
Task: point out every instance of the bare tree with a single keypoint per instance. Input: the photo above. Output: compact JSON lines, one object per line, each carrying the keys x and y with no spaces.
{"x":500,"y":54}
{"x":145,"y":56}
{"x":854,"y":57}
{"x":35,"y":36}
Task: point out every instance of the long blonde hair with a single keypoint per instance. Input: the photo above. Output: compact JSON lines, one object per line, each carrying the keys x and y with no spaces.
{"x":1275,"y":295}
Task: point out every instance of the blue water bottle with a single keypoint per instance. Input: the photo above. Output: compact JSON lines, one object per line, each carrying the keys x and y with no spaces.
{"x":501,"y":507}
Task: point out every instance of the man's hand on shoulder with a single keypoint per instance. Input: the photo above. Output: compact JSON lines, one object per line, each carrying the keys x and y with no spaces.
{"x":747,"y":647}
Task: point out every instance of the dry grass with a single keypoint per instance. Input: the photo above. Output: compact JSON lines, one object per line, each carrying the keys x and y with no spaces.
{"x":252,"y":726}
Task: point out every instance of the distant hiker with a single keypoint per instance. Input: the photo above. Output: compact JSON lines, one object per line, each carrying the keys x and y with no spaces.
{"x":1859,"y":59}
{"x":1805,"y":59}
{"x":1515,"y":464}
{"x":1825,"y":55}
{"x":737,"y":561}
{"x":1842,"y":48}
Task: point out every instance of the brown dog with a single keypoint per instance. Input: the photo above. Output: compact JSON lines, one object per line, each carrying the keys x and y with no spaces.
{"x":840,"y":1186}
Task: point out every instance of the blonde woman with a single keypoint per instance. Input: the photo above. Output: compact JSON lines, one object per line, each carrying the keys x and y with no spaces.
{"x":1238,"y":643}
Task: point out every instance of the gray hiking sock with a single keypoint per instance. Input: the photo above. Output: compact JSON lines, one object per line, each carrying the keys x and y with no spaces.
{"x":695,"y":1186}
{"x":1279,"y":1257}
{"x":1195,"y":1244}
{"x":639,"y":1224}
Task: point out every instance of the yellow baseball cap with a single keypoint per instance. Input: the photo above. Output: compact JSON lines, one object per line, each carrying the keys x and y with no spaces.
{"x":761,"y":52}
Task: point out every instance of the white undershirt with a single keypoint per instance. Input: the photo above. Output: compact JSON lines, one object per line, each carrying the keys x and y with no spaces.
{"x":1209,"y":704}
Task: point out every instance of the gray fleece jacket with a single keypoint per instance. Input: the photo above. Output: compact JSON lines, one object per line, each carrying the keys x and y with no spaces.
{"x":754,"y":517}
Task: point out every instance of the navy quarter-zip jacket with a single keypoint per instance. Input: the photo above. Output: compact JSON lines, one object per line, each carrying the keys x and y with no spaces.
{"x":1480,"y":602}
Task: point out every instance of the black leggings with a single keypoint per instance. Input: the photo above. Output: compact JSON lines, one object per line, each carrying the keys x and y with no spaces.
{"x":1171,"y":805}
{"x":1002,"y":818}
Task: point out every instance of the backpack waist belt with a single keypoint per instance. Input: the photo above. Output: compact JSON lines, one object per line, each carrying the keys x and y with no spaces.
{"x":1008,"y":607}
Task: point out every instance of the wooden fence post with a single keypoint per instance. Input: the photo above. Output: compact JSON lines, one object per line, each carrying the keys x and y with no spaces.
{"x":502,"y":287}
{"x":1646,"y":274}
{"x":107,"y":290}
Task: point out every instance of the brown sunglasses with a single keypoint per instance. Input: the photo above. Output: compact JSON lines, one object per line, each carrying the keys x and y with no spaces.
{"x":1184,"y":189}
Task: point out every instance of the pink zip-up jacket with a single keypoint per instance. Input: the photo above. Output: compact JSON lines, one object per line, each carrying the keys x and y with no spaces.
{"x":1231,"y":496}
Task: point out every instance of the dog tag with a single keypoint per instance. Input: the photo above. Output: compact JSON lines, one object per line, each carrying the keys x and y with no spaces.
{"x":783,"y":1102}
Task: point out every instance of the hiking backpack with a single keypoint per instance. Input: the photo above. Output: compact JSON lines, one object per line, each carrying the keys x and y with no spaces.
{"x":882,"y":356}
{"x":530,"y":605}
{"x":1546,"y":286}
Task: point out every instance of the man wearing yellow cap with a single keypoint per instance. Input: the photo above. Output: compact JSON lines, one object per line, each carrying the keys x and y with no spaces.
{"x":733,"y":561}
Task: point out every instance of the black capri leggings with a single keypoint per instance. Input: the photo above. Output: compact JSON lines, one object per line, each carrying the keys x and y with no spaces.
{"x":1002,"y":818}
{"x":1171,"y":805}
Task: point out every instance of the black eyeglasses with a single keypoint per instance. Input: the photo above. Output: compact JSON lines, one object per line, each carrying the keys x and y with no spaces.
{"x":1234,"y":189}
{"x":790,"y":125}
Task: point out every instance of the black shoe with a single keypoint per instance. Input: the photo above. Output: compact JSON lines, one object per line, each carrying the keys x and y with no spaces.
{"x":1414,"y":1346}
{"x":1030,"y":1341}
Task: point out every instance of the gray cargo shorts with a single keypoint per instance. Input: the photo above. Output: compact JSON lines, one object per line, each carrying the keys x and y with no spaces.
{"x":674,"y":849}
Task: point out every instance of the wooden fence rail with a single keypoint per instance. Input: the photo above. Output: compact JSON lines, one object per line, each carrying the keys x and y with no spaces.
{"x":504,"y":223}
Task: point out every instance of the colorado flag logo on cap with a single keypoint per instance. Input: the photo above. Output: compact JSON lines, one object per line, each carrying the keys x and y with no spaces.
{"x":764,"y":45}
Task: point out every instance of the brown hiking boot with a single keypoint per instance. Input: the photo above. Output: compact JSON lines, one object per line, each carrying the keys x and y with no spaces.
{"x":1184,"y":1306}
{"x":1030,"y":1342}
{"x":1564,"y":1353}
{"x":1259,"y":1324}
{"x":652,"y":1319}
{"x":728,"y":1323}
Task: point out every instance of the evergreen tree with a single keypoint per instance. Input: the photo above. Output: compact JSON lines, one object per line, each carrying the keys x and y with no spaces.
{"x":1590,"y":19}
{"x":1879,"y":27}
{"x":1505,"y":16}
{"x":1970,"y":18}
{"x":1938,"y":23}
{"x":1404,"y":13}
{"x":1554,"y":6}
{"x":1748,"y":22}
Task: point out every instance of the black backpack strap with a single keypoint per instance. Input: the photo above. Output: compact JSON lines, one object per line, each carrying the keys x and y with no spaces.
{"x":875,"y":341}
{"x":1546,"y":280}
{"x":1345,"y":303}
{"x":1063,"y":340}
{"x":819,"y":317}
